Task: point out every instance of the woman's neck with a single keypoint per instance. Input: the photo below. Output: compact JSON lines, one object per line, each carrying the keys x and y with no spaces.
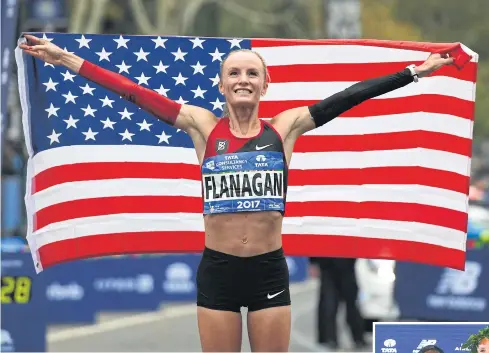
{"x":244,"y":121}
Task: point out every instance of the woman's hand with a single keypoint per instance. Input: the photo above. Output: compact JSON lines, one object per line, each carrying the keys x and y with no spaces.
{"x":433,"y":63}
{"x":43,"y":50}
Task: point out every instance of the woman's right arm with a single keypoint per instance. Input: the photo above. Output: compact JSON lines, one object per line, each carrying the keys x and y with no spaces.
{"x":182,"y":116}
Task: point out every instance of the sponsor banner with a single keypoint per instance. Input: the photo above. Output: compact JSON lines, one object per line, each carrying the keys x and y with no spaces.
{"x":437,"y":293}
{"x":24,"y":313}
{"x":410,"y":338}
{"x":73,"y":293}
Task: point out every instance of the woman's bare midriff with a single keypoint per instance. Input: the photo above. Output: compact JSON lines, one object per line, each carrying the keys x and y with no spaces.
{"x":244,"y":234}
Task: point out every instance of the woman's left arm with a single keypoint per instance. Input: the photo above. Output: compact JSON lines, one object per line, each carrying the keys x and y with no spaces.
{"x":297,"y":121}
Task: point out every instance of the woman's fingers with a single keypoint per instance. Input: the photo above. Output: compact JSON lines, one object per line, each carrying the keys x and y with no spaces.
{"x":32,"y":39}
{"x":32,"y":47}
{"x":33,"y":53}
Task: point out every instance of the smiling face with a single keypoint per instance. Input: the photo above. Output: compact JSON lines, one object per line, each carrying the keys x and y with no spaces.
{"x":243,"y":79}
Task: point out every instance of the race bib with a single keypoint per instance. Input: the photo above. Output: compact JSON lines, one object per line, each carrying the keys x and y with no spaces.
{"x":245,"y":181}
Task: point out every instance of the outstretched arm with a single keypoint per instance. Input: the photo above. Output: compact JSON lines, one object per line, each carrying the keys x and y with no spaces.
{"x":297,"y":121}
{"x":181,"y":116}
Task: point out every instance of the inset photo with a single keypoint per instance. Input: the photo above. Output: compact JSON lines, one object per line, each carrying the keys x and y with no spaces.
{"x":431,"y":337}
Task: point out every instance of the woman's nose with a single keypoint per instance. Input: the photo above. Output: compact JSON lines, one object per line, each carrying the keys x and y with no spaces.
{"x":243,"y":78}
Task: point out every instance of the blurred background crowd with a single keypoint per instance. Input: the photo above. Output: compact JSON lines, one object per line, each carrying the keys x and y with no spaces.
{"x":415,"y":20}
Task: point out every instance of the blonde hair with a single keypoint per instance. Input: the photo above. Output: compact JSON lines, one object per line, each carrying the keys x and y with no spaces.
{"x":225,"y":110}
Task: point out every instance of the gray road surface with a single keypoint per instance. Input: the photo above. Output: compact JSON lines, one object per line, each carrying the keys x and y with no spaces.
{"x":174,"y":329}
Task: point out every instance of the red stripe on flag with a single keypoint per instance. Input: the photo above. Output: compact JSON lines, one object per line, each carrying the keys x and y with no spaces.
{"x":112,"y":170}
{"x":357,"y":72}
{"x":293,"y":244}
{"x":395,"y":211}
{"x":312,"y":245}
{"x":118,"y":244}
{"x":429,"y":103}
{"x":452,"y":48}
{"x":385,"y":141}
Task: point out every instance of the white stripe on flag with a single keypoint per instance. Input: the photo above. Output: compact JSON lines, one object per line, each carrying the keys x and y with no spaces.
{"x":334,"y":54}
{"x":417,"y":157}
{"x":440,"y":85}
{"x":419,"y":121}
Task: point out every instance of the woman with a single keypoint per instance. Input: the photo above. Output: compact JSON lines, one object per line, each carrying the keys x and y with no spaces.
{"x":244,"y":177}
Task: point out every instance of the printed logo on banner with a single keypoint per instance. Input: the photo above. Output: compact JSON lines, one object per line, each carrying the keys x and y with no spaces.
{"x":12,"y":264}
{"x":454,"y":289}
{"x":58,"y":292}
{"x":143,"y":283}
{"x":459,"y":348}
{"x":424,"y":343}
{"x":7,"y":342}
{"x":178,"y":278}
{"x":389,"y":346}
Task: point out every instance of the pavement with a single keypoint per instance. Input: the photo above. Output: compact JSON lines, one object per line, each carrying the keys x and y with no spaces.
{"x":173,"y":328}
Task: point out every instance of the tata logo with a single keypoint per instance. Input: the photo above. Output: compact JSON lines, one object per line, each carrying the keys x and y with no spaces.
{"x":261,"y":158}
{"x":389,"y":346}
{"x":178,"y":278}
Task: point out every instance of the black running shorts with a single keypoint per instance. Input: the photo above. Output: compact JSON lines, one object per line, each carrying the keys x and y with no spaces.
{"x":227,"y":282}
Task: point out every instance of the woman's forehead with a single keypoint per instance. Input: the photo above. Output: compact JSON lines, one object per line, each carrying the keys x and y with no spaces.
{"x":243,"y":60}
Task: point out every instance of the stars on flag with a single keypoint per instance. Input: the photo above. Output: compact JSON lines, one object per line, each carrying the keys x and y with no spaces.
{"x":183,"y":69}
{"x":83,"y":42}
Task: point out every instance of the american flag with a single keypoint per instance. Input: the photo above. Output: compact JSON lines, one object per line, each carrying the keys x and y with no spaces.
{"x":387,"y":179}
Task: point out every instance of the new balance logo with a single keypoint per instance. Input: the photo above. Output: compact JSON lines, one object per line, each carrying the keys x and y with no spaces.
{"x":460,"y":282}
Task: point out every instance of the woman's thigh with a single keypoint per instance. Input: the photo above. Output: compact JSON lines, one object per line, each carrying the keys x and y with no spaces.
{"x":269,"y":329}
{"x":219,"y":330}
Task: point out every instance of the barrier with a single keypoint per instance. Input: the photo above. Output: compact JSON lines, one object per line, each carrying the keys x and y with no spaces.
{"x":442,"y":294}
{"x":23,"y":305}
{"x":410,"y":338}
